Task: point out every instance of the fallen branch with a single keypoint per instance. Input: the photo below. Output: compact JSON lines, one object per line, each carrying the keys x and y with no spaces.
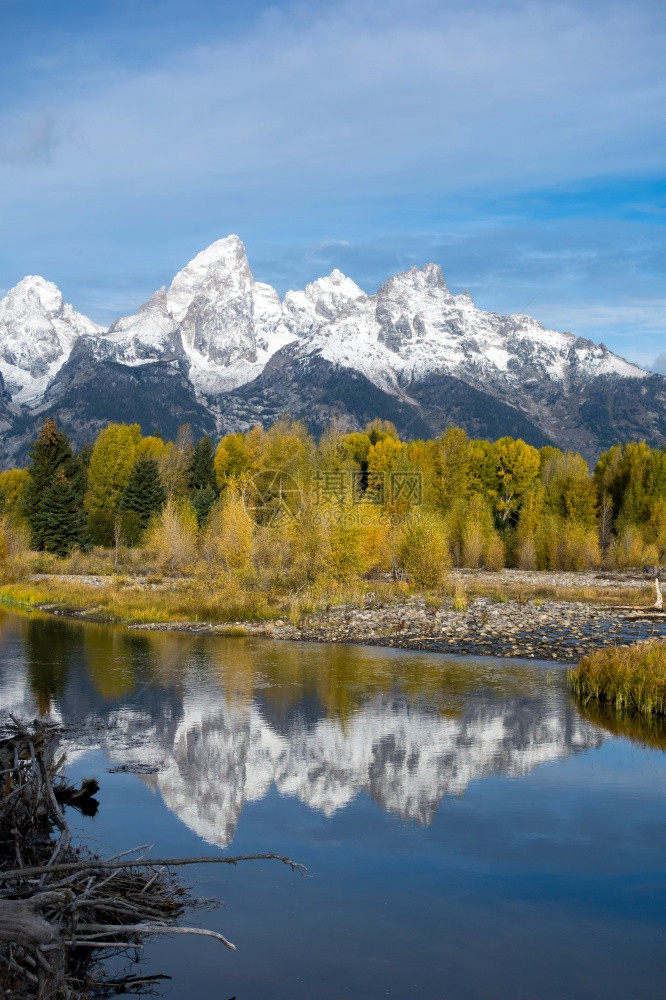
{"x":92,"y":929}
{"x":58,"y":909}
{"x":82,"y":866}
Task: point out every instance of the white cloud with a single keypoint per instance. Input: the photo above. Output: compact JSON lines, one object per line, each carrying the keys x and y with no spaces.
{"x":332,"y":134}
{"x":372,"y":95}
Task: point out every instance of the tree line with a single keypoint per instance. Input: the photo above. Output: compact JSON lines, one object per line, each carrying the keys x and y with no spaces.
{"x":351,"y":503}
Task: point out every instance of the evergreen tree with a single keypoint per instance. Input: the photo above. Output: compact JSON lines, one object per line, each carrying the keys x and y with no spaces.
{"x":52,"y":501}
{"x":201,"y":479}
{"x":202,"y":501}
{"x":144,"y":493}
{"x":58,"y":520}
{"x":202,"y":471}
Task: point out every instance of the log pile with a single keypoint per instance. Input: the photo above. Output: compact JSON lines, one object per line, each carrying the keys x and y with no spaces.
{"x":62,"y":908}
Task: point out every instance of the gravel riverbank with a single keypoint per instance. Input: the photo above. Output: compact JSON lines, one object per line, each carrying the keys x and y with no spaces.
{"x":557,"y":630}
{"x":543,"y":630}
{"x":514,"y":621}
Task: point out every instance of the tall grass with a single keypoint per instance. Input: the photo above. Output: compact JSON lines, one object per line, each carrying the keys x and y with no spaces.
{"x":219,"y":598}
{"x":213,"y":600}
{"x":631,"y":678}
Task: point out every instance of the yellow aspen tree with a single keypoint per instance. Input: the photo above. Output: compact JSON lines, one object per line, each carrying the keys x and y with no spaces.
{"x":423,"y":550}
{"x":12,"y":485}
{"x":111,"y":462}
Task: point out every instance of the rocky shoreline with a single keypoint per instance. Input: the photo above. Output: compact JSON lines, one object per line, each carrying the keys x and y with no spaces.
{"x":542,"y":630}
{"x":505,"y":624}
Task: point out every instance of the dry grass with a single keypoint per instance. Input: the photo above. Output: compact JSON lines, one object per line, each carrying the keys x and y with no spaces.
{"x":135,"y":586}
{"x":220,"y":598}
{"x":197,"y":601}
{"x":630,"y":678}
{"x":522,"y":592}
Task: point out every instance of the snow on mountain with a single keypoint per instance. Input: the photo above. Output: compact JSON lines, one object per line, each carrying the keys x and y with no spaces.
{"x":215,"y":314}
{"x":431,"y":357}
{"x":150,"y":334}
{"x":413,"y":326}
{"x":228,"y":326}
{"x":320,"y":302}
{"x":37,"y":333}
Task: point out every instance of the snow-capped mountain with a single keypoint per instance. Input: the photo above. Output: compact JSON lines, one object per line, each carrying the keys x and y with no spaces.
{"x":222,"y":351}
{"x":37,"y":333}
{"x":214,"y":314}
{"x":226,"y":324}
{"x":414,"y":326}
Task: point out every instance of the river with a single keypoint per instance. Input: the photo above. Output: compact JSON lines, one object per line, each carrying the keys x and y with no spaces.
{"x":468,"y":832}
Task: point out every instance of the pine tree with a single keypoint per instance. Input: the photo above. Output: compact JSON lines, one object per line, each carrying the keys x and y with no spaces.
{"x":144,"y":493}
{"x":201,"y":479}
{"x":52,"y":501}
{"x":202,"y":501}
{"x":59,"y":517}
{"x":202,"y":471}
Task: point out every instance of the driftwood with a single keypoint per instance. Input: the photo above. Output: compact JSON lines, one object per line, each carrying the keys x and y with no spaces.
{"x":60,"y":908}
{"x":654,"y":611}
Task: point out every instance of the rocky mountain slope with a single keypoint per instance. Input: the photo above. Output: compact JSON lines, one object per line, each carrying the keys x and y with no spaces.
{"x":221,"y":351}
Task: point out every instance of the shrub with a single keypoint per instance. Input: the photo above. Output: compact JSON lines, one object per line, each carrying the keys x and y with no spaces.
{"x":172,"y":536}
{"x":493,"y":553}
{"x":526,"y":552}
{"x":228,"y":538}
{"x":629,"y":677}
{"x":423,"y":549}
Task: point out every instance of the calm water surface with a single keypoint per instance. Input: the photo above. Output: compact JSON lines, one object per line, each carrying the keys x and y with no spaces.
{"x":468,"y":832}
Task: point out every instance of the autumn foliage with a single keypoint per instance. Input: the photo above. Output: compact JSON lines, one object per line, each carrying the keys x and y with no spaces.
{"x":275,"y":507}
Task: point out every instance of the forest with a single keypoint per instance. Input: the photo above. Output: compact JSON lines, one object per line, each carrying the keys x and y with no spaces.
{"x":276,"y":507}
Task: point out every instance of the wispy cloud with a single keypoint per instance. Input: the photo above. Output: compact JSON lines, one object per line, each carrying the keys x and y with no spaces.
{"x":373,"y":94}
{"x":367,"y":135}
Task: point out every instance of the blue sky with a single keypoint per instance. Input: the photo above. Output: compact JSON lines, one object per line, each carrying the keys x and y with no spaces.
{"x":521,"y":145}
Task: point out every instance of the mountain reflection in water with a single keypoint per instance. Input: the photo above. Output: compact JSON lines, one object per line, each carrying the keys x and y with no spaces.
{"x":215,"y":723}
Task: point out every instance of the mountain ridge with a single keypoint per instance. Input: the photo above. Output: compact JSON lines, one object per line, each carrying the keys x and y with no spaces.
{"x":222,"y":351}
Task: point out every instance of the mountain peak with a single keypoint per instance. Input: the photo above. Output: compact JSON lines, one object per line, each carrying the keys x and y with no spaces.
{"x":37,"y":290}
{"x":336,"y":277}
{"x":227,"y":250}
{"x":37,"y":333}
{"x":427,"y":280}
{"x":336,"y":285}
{"x":220,"y":269}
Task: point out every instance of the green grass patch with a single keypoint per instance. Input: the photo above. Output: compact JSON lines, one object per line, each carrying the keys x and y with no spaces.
{"x":20,"y":595}
{"x":630,"y":678}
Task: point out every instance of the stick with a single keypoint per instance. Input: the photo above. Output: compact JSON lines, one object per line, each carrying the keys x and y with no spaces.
{"x":81,"y":866}
{"x":92,"y":929}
